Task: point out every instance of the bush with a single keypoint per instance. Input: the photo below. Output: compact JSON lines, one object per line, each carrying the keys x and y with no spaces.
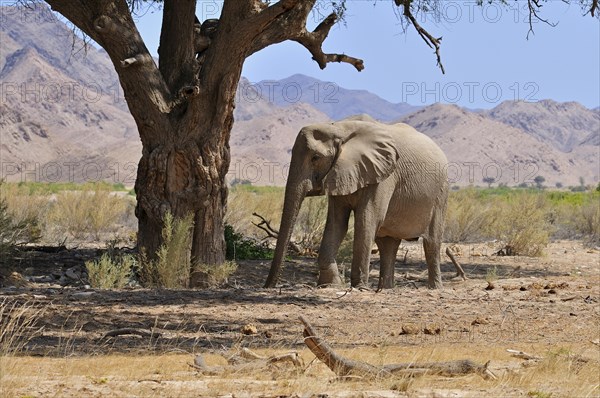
{"x":585,"y":219}
{"x":240,"y":247}
{"x":216,"y":275}
{"x":110,"y":271}
{"x":87,"y":213}
{"x":521,"y":223}
{"x":467,"y":217}
{"x":172,"y":266}
{"x":20,"y":215}
{"x":310,"y":224}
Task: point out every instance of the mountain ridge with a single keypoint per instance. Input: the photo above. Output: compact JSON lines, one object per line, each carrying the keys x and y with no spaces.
{"x":61,"y":107}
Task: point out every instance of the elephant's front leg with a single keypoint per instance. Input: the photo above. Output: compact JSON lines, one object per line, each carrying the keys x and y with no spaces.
{"x":336,"y":227}
{"x":365,"y":227}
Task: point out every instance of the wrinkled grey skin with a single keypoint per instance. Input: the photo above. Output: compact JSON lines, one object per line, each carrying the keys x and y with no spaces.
{"x":391,"y":176}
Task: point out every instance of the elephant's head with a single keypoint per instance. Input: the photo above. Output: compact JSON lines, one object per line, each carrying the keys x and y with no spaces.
{"x":334,"y":159}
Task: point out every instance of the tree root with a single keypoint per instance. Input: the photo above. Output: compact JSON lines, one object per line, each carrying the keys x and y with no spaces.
{"x":345,"y":367}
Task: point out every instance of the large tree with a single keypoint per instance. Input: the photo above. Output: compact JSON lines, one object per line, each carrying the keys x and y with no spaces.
{"x":183,"y":107}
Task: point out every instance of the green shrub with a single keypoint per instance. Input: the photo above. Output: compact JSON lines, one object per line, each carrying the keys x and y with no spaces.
{"x":239,"y":247}
{"x":110,"y":271}
{"x":521,"y":223}
{"x":216,"y":275}
{"x":467,"y":216}
{"x":172,"y":266}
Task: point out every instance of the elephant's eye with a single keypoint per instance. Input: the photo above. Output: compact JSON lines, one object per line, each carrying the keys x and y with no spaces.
{"x":316,"y":158}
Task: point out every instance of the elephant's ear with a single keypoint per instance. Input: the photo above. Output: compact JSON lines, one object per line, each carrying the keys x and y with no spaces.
{"x":367,"y":156}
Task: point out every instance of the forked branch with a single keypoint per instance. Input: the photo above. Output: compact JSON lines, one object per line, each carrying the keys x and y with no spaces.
{"x":286,"y":20}
{"x":534,"y":6}
{"x":431,"y":41}
{"x":313,"y":41}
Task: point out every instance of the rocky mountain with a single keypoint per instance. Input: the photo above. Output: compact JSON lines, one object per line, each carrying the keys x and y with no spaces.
{"x":478,"y":146}
{"x":63,"y":117}
{"x":335,"y":101}
{"x":564,"y":125}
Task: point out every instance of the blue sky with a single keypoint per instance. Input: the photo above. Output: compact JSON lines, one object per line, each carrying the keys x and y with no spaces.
{"x":487,"y":56}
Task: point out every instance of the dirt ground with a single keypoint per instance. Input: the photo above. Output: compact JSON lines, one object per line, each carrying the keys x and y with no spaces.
{"x":548,"y":307}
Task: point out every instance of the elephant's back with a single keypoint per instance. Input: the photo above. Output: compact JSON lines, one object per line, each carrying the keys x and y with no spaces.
{"x":414,"y":145}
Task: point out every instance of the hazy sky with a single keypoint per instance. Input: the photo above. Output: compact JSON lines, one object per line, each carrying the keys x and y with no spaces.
{"x":487,"y":56}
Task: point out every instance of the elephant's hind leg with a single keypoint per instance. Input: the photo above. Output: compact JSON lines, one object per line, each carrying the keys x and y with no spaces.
{"x":431,"y":245}
{"x":388,"y":248}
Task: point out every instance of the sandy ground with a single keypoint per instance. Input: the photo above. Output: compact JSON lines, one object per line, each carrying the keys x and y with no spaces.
{"x":548,"y":306}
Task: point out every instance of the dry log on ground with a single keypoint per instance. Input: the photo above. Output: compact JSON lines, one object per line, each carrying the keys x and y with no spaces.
{"x":344,"y":367}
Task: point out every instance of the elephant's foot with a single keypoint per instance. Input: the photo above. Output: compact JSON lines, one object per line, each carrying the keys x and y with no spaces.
{"x":329,"y":276}
{"x":434,"y":284}
{"x":385,"y":283}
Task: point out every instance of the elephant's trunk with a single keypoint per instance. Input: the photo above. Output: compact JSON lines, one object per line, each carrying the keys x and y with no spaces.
{"x":294,"y":195}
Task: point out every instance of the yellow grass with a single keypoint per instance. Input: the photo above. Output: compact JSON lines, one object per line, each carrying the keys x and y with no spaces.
{"x":562,"y":372}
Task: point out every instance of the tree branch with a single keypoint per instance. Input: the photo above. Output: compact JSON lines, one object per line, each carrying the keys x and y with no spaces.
{"x":534,"y":6}
{"x":431,"y":41}
{"x":176,"y":50}
{"x":594,"y":7}
{"x":313,"y":41}
{"x":111,"y":25}
{"x":287,"y":20}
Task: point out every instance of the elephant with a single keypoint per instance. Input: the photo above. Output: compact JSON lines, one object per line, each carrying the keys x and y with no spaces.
{"x":390,"y":175}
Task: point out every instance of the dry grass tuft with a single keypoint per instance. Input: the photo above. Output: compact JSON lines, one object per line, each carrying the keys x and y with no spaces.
{"x":172,"y":267}
{"x":110,"y":272}
{"x":216,"y":275}
{"x":86,"y":214}
{"x":18,"y":325}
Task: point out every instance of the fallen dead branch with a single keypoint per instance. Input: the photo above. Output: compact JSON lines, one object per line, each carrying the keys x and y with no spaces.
{"x":459,"y":270}
{"x":131,"y":331}
{"x":522,"y":355}
{"x":345,"y":367}
{"x":247,"y":360}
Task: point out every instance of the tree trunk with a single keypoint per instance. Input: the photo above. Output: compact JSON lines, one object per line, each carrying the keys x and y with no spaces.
{"x":182,"y":178}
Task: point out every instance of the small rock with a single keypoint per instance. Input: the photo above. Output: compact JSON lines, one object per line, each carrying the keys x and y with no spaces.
{"x":572,"y":314}
{"x":523,"y":288}
{"x":410,"y":329}
{"x":249,"y":329}
{"x":432,"y":329}
{"x":41,"y":279}
{"x":490,"y":286}
{"x":551,"y":291}
{"x":480,"y":321}
{"x":82,"y":294}
{"x":268,"y":334}
{"x":70,"y":273}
